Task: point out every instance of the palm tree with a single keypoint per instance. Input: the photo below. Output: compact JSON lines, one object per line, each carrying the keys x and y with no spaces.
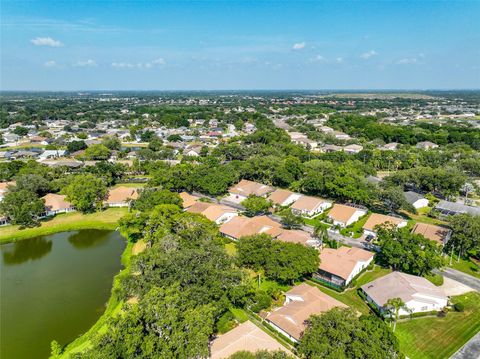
{"x":320,"y":232}
{"x":394,"y":305}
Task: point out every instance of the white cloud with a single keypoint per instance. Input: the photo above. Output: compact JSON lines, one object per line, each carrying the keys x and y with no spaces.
{"x":85,"y":63}
{"x":407,"y":61}
{"x":318,"y":58}
{"x":298,"y":46}
{"x":46,"y":41}
{"x":50,"y":63}
{"x":140,"y":65}
{"x":339,"y":60}
{"x":368,"y":54}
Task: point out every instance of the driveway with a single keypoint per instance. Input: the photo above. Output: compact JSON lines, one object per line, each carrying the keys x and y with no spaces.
{"x":451,"y":287}
{"x":461,"y":277}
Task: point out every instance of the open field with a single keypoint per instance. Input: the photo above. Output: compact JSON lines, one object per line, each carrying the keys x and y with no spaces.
{"x":433,"y":338}
{"x":72,"y":221}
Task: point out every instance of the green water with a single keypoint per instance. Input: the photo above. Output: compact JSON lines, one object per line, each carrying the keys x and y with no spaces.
{"x":54,"y":287}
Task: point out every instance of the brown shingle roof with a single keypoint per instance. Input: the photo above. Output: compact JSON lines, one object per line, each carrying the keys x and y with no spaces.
{"x":307,"y":203}
{"x":188,"y":199}
{"x":122,"y":194}
{"x":342,"y":213}
{"x":279,"y":196}
{"x":245,"y":337}
{"x":239,"y":227}
{"x":380,"y":219}
{"x":432,"y":232}
{"x":56,"y":202}
{"x":343,"y":260}
{"x":247,"y":188}
{"x":292,"y":316}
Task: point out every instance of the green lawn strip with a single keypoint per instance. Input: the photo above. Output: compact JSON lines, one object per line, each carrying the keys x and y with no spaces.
{"x":130,"y":185}
{"x":424,"y":218}
{"x":467,"y":266}
{"x":107,"y":219}
{"x":113,"y":308}
{"x":356,"y":228}
{"x":436,"y":279}
{"x":433,"y":337}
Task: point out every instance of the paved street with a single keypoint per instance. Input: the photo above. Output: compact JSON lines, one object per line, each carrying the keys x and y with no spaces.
{"x":471,"y":350}
{"x":461,"y":277}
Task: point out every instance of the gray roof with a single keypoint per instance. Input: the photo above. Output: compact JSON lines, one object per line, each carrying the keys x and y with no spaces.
{"x":455,"y":208}
{"x":412,"y":197}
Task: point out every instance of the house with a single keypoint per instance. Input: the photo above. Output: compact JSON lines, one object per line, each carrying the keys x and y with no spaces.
{"x":240,"y":226}
{"x":4,"y":188}
{"x":310,"y":206}
{"x":343,"y":215}
{"x":300,"y":303}
{"x":331,"y":148}
{"x":353,"y":148}
{"x":121,"y":196}
{"x":452,"y":208}
{"x":376,"y":219}
{"x":418,"y":294}
{"x":415,"y":199}
{"x":188,"y":200}
{"x":239,"y":192}
{"x":298,"y":236}
{"x":245,"y":337}
{"x":215,"y":212}
{"x":392,"y":146}
{"x":49,"y":154}
{"x":435,"y":233}
{"x":340,"y":135}
{"x":56,"y":203}
{"x":426,"y":145}
{"x":340,"y":266}
{"x":193,"y":151}
{"x":283,"y":197}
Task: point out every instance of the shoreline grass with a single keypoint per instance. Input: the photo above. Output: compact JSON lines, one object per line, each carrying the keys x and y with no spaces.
{"x":107,"y":219}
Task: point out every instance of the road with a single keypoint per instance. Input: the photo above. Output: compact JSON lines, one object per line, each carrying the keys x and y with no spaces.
{"x":471,"y":350}
{"x":461,"y":277}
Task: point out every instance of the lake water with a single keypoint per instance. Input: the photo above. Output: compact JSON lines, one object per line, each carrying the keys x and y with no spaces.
{"x":54,"y":287}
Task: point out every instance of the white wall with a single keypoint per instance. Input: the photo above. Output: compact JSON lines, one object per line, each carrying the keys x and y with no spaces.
{"x":418,"y":306}
{"x":421,"y":203}
{"x":235,"y":198}
{"x":361,"y":265}
{"x":224,"y":218}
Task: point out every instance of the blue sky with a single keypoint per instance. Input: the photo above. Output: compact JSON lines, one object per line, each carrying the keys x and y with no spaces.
{"x":182,"y":45}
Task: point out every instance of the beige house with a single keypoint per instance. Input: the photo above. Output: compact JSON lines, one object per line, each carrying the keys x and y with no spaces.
{"x":56,"y":203}
{"x":376,"y":219}
{"x":4,"y":188}
{"x":340,"y":266}
{"x":343,"y":215}
{"x":418,"y":294}
{"x":298,"y":236}
{"x":283,"y":197}
{"x":246,"y":337}
{"x":215,"y":212}
{"x":301,"y":302}
{"x":188,"y":200}
{"x":239,"y":192}
{"x":433,"y":232}
{"x":240,"y":226}
{"x":121,"y":196}
{"x":310,"y":206}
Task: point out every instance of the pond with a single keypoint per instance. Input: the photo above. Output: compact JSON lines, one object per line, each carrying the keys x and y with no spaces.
{"x":54,"y":287}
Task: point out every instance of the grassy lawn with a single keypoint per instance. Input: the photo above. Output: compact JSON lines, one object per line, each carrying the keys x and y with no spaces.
{"x":423,"y":217}
{"x":130,"y":185}
{"x":72,"y":221}
{"x":355,"y":230}
{"x":432,"y":337}
{"x":350,"y":296}
{"x":468,"y":266}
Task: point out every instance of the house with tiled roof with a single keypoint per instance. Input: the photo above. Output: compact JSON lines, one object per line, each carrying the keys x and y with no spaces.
{"x":340,"y":266}
{"x":441,"y":235}
{"x":283,"y":197}
{"x":241,"y":226}
{"x":377,"y":219}
{"x":215,"y":212}
{"x":343,"y":215}
{"x":310,"y":206}
{"x":301,"y":302}
{"x":240,"y":192}
{"x":56,"y":203}
{"x":121,"y":196}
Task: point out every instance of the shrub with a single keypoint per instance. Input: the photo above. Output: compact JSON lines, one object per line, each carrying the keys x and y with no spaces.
{"x":459,"y":307}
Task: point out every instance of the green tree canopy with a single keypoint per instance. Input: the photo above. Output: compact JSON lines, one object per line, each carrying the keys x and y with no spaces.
{"x":22,"y":207}
{"x":85,"y":191}
{"x":255,"y":205}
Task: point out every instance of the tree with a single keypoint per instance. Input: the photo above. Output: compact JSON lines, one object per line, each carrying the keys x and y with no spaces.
{"x":255,"y":205}
{"x":465,"y":234}
{"x":20,"y":131}
{"x":112,"y":143}
{"x":97,"y":152}
{"x":394,"y":305}
{"x":75,"y":146}
{"x":290,"y":220}
{"x":174,"y":138}
{"x":86,"y":192}
{"x":340,"y":333}
{"x":409,"y":252}
{"x":33,"y":183}
{"x":393,"y":199}
{"x":150,"y":198}
{"x":22,"y":207}
{"x":281,"y":261}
